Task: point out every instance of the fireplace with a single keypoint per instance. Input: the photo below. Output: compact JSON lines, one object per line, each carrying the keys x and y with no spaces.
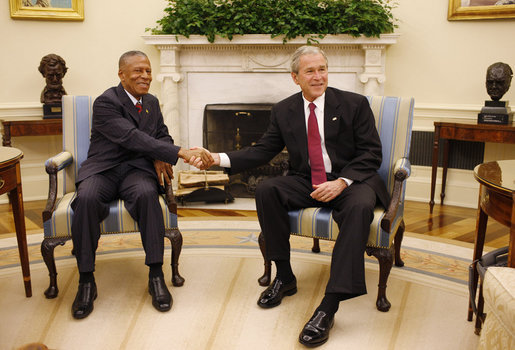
{"x":195,"y":73}
{"x":229,"y":127}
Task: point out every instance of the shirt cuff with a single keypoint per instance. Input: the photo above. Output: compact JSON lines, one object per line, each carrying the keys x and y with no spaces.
{"x":348,"y":181}
{"x":225,"y":161}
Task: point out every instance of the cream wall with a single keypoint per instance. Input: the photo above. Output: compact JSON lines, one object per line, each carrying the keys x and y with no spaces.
{"x":90,"y":48}
{"x":444,"y":62}
{"x":441,"y":63}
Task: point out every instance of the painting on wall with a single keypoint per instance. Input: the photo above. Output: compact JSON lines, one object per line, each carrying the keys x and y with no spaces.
{"x":480,"y":9}
{"x":69,"y":10}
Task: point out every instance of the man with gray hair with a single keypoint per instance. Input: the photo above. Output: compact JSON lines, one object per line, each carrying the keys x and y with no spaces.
{"x":334,"y":152}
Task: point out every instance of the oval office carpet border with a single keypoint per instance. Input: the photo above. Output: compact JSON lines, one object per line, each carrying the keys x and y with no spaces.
{"x":216,"y":308}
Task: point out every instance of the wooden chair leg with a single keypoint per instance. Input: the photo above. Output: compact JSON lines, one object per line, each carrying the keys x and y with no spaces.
{"x":481,"y":316}
{"x":175,"y":238}
{"x":266,"y":278}
{"x":385,"y":258}
{"x":397,"y":243}
{"x":316,"y":245}
{"x":47,"y":251}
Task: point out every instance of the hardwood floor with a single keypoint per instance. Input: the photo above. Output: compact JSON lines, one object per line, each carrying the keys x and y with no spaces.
{"x":448,"y":222}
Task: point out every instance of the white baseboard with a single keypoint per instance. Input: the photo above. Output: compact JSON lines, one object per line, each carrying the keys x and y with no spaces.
{"x":461,"y":188}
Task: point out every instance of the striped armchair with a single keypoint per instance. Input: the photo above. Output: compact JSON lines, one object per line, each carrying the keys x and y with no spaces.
{"x":57,"y":216}
{"x":394,"y":121}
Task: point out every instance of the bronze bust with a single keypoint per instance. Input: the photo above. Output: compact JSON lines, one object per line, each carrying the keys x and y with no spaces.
{"x":498,"y":80}
{"x":53,"y":68}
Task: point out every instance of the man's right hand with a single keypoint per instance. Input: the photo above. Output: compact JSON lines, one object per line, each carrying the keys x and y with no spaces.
{"x":197,"y":163}
{"x":197,"y":156}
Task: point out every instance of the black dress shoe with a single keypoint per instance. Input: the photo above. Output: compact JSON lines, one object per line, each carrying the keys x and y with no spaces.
{"x":83,"y":303}
{"x":316,"y":331}
{"x":161,"y":297}
{"x":273,"y":295}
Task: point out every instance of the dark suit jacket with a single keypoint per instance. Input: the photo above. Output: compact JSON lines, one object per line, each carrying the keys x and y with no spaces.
{"x":351,"y":140}
{"x":120,"y":134}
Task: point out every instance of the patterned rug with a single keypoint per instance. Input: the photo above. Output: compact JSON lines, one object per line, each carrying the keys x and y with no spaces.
{"x":216,"y":308}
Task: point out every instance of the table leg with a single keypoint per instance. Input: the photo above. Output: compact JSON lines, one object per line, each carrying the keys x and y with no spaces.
{"x":6,"y":139}
{"x":21,"y":236}
{"x":444,"y":172}
{"x":434,"y":167}
{"x":479,"y":242}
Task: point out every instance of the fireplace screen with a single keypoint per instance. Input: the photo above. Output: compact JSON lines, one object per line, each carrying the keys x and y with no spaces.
{"x":229,"y":127}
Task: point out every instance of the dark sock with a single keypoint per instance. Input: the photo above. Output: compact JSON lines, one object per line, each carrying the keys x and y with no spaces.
{"x":86,"y":277}
{"x":284,"y":271}
{"x":156,"y":270}
{"x":331,"y":301}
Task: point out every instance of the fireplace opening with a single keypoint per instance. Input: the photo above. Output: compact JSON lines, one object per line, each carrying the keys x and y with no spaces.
{"x":229,"y":127}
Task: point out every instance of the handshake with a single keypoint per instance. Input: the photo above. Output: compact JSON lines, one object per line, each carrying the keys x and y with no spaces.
{"x":199,"y":157}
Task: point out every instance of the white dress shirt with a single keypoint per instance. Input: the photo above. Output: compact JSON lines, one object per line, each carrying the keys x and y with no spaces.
{"x":319,"y":102}
{"x":133,"y":99}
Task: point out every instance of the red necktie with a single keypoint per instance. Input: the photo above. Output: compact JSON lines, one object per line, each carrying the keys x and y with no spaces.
{"x":139,"y":107}
{"x":315,"y":149}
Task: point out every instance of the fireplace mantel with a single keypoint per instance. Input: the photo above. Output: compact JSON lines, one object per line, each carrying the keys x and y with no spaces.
{"x":252,"y":69}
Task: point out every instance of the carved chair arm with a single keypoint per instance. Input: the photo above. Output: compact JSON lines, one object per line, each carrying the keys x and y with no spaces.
{"x":402,"y":171}
{"x":170,"y":199}
{"x":53,"y":166}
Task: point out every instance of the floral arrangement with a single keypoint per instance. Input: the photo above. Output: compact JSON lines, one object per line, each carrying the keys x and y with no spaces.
{"x":290,"y":18}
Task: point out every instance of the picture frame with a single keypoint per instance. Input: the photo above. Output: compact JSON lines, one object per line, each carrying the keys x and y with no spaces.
{"x":66,"y":10}
{"x":479,"y":9}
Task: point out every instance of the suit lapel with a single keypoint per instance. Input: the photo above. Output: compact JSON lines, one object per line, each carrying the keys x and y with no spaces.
{"x":297,"y":121}
{"x":332,"y":118}
{"x":129,"y":106}
{"x":144,"y":117}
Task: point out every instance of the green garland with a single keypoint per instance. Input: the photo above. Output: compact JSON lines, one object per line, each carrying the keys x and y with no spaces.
{"x":291,"y":18}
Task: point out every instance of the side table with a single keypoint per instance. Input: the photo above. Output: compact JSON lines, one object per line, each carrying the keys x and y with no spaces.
{"x":36,"y":127}
{"x":10,"y":182}
{"x":458,"y":130}
{"x":496,"y":192}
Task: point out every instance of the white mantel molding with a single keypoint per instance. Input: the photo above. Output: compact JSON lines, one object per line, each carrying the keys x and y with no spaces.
{"x":266,"y":39}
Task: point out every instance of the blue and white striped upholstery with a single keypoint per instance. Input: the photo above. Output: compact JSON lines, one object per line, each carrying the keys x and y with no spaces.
{"x":394,"y":121}
{"x":77,"y":117}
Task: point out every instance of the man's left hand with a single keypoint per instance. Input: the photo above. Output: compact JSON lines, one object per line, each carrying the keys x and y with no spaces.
{"x":163,"y":170}
{"x":328,"y":190}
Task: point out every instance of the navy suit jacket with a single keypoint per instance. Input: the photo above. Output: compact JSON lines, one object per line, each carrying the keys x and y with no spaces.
{"x":120,"y":134}
{"x":351,"y":140}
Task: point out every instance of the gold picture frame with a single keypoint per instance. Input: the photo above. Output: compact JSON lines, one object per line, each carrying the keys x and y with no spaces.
{"x":463,"y":10}
{"x":43,"y":10}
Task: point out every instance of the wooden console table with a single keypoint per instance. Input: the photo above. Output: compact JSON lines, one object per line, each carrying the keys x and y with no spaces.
{"x":496,"y":193}
{"x":464,"y":132}
{"x":36,"y":127}
{"x":10,"y":182}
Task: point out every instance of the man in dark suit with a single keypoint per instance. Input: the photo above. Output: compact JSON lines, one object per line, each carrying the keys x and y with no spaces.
{"x":130,"y":153}
{"x":334,"y":152}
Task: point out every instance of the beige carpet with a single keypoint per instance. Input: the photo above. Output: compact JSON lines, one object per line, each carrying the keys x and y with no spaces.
{"x":216,"y":308}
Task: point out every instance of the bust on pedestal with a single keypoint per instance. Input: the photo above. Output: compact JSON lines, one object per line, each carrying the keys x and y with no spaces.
{"x":53,"y":68}
{"x":498,"y":80}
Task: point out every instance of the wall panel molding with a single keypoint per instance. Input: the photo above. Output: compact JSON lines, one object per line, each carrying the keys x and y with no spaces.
{"x":14,"y":111}
{"x":426,"y":114}
{"x":462,"y":189}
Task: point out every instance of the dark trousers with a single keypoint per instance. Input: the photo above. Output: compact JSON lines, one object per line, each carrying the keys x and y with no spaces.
{"x":353,"y":210}
{"x":139,"y":190}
